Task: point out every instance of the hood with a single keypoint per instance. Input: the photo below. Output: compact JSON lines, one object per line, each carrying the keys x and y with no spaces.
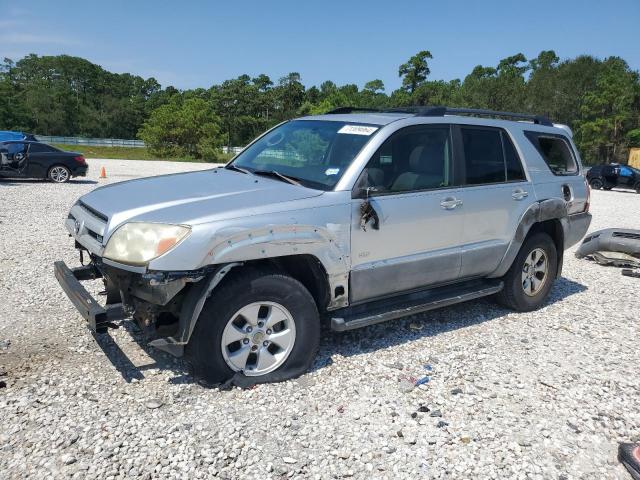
{"x":186,"y":198}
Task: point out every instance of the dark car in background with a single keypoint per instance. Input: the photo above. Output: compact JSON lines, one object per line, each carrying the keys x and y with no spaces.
{"x":614,"y":176}
{"x":24,"y":159}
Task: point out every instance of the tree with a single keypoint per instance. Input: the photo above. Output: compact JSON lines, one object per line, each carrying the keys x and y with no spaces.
{"x":415,"y":71}
{"x":184,"y":128}
{"x":374,"y":86}
{"x":608,"y":112}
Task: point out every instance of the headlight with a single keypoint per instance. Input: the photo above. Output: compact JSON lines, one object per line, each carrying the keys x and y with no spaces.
{"x":139,"y":243}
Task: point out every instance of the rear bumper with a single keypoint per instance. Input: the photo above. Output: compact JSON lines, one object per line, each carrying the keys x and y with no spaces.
{"x":576,"y":228}
{"x":97,"y":316}
{"x":80,"y":171}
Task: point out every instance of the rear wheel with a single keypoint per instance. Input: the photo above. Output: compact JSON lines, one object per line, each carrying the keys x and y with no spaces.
{"x":259,"y":324}
{"x":637,"y":187}
{"x":530,"y":278}
{"x":596,"y":183}
{"x":59,"y":174}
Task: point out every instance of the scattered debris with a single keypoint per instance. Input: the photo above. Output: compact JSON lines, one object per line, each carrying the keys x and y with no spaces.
{"x":436,"y":413}
{"x":289,"y":460}
{"x":68,"y":459}
{"x":524,"y":442}
{"x":423,"y":409}
{"x":406,"y":386}
{"x":618,"y":247}
{"x":422,"y":381}
{"x":629,"y":456}
{"x":442,"y":424}
{"x":456,"y":391}
{"x":396,"y":365}
{"x":627,"y":272}
{"x":340,"y":409}
{"x":4,"y":344}
{"x":416,"y":326}
{"x":153,"y":403}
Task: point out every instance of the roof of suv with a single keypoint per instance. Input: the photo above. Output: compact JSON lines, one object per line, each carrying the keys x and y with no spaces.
{"x":435,"y":114}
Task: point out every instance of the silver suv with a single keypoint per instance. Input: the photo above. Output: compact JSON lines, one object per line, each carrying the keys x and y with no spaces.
{"x":353,"y":217}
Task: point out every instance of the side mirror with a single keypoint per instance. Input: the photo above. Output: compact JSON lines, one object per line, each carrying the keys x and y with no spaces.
{"x":364,"y":192}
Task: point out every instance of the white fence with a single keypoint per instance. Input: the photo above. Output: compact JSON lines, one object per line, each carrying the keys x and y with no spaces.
{"x":96,"y":142}
{"x":234,"y":150}
{"x":110,"y":142}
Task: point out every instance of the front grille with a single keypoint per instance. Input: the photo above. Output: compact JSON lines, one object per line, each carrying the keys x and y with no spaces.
{"x":95,"y":235}
{"x":629,"y":235}
{"x":94,"y":212}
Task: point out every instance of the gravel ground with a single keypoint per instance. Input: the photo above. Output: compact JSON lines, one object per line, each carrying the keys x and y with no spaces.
{"x":545,"y":395}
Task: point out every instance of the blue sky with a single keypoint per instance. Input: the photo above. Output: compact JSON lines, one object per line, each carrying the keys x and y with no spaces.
{"x":198,"y":43}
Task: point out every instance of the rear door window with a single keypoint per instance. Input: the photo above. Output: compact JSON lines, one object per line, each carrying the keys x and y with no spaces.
{"x":556,"y":152}
{"x":489,"y":157}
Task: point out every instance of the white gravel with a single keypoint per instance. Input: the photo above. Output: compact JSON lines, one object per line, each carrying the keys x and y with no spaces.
{"x":545,"y":395}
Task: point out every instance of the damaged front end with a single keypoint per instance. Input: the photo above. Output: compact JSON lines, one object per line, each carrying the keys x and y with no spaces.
{"x":165,"y":305}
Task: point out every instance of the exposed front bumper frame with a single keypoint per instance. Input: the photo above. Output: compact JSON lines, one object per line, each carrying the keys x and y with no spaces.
{"x":98,"y":317}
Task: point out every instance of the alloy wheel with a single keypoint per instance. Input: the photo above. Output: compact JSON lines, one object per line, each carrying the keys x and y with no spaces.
{"x":59,"y":174}
{"x":258,"y":338}
{"x":535,"y":272}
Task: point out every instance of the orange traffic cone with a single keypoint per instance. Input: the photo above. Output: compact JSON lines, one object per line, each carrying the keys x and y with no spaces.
{"x":103,"y":173}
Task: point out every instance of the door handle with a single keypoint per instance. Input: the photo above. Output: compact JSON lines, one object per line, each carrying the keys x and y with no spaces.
{"x":450,"y":203}
{"x":519,"y":194}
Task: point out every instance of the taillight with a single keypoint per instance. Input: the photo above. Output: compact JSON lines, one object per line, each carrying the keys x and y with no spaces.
{"x":587,"y":204}
{"x":80,"y":159}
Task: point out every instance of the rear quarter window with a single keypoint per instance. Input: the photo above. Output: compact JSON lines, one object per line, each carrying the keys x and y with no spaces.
{"x":555,"y":151}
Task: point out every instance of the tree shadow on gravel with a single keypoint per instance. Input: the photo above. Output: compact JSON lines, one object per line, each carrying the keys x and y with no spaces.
{"x":356,"y":342}
{"x":427,"y":324}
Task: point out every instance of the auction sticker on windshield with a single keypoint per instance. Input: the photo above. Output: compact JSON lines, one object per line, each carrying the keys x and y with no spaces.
{"x":357,"y":130}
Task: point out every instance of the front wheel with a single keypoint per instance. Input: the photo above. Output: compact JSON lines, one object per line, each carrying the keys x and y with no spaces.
{"x":530,"y":278}
{"x":59,"y":174}
{"x":259,"y":324}
{"x":596,"y":183}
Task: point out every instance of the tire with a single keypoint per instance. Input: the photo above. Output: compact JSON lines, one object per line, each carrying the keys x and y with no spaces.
{"x":607,"y":188}
{"x":59,"y":174}
{"x":596,"y":183}
{"x":517,"y":293}
{"x":215,"y":354}
{"x":637,"y":187}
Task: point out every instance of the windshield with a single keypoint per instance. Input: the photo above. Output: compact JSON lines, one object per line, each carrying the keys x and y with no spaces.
{"x":312,"y":152}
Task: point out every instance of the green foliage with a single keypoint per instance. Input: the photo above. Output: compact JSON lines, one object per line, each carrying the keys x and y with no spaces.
{"x":633,"y":137}
{"x":187,"y":128}
{"x":63,"y":95}
{"x":607,"y":111}
{"x":415,"y":71}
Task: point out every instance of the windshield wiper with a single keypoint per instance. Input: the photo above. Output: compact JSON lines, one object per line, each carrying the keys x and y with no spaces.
{"x":231,"y":166}
{"x":278,"y":175}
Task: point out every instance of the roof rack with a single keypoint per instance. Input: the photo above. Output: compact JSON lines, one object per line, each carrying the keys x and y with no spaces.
{"x":538,"y":119}
{"x":442,"y":111}
{"x":339,"y":110}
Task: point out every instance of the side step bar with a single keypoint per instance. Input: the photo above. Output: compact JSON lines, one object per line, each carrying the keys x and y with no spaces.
{"x":411,"y":303}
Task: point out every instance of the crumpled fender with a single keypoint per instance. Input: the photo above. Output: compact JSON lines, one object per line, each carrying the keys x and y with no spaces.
{"x":553,"y":208}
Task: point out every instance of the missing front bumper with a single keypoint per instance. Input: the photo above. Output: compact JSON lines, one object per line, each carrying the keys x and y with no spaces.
{"x":98,"y":317}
